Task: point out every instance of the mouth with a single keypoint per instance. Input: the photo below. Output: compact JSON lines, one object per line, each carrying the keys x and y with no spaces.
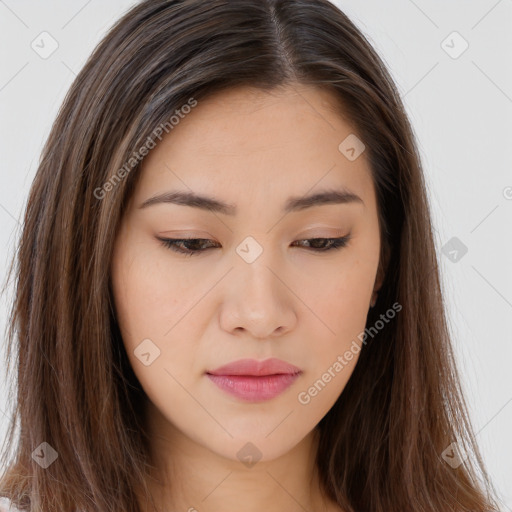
{"x":255,"y":381}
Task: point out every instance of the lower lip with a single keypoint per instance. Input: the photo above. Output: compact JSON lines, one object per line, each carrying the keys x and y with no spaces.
{"x":252,"y":388}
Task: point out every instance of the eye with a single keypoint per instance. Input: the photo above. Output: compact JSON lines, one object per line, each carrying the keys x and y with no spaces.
{"x":186,"y":246}
{"x":327,"y":244}
{"x":191,"y":246}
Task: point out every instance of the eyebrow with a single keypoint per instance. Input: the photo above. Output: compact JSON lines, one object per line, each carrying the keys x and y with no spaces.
{"x":212,"y":204}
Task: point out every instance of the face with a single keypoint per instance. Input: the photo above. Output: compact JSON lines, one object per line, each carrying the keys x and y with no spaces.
{"x":269,"y":274}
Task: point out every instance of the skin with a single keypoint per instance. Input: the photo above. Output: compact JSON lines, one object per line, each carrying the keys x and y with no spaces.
{"x":253,"y":149}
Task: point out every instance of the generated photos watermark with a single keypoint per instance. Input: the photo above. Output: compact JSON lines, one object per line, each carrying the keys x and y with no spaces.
{"x":149,"y":144}
{"x":304,"y":397}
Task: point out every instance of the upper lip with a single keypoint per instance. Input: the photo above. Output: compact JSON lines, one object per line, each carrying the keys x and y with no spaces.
{"x":270,"y":366}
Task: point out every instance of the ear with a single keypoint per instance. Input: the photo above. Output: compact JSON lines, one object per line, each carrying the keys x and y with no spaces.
{"x":377,"y":286}
{"x":381,"y":271}
{"x":379,"y":278}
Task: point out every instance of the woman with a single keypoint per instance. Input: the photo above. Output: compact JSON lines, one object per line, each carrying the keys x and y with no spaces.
{"x":227,"y":288}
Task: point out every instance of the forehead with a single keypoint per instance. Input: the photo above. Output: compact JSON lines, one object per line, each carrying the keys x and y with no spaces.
{"x":249,"y":141}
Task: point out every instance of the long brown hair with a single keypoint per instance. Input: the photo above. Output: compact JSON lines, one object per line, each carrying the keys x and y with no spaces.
{"x":382,"y":442}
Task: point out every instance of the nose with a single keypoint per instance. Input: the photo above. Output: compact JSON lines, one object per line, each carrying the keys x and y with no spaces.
{"x":258,"y":300}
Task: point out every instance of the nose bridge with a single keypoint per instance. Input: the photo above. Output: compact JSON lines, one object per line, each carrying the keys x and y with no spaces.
{"x":259,"y":301}
{"x":253,"y":268}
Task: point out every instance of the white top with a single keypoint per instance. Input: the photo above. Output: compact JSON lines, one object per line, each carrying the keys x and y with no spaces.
{"x":6,"y":506}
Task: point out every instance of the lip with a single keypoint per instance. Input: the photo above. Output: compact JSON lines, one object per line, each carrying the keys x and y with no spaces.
{"x":255,"y":381}
{"x":253,"y":367}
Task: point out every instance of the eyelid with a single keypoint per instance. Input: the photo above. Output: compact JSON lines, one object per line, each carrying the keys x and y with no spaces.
{"x":320,"y":233}
{"x":183,"y":233}
{"x":316,"y":232}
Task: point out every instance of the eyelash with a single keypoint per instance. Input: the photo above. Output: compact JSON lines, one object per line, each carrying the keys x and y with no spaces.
{"x":172,"y":243}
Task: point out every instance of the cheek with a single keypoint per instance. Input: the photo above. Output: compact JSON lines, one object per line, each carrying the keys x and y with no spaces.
{"x":341,"y":302}
{"x":148,"y":306}
{"x":341,"y":299}
{"x":333,"y":354}
{"x":146,"y":292}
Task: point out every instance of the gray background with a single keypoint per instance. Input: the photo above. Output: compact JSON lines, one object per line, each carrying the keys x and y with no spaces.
{"x":459,"y":102}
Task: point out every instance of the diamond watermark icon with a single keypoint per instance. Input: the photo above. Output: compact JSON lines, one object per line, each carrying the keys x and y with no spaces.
{"x":454,"y":455}
{"x":44,"y":45}
{"x":249,"y":249}
{"x":454,"y":45}
{"x":351,"y":147}
{"x":44,"y":455}
{"x":454,"y":249}
{"x":249,"y":455}
{"x":146,"y":352}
